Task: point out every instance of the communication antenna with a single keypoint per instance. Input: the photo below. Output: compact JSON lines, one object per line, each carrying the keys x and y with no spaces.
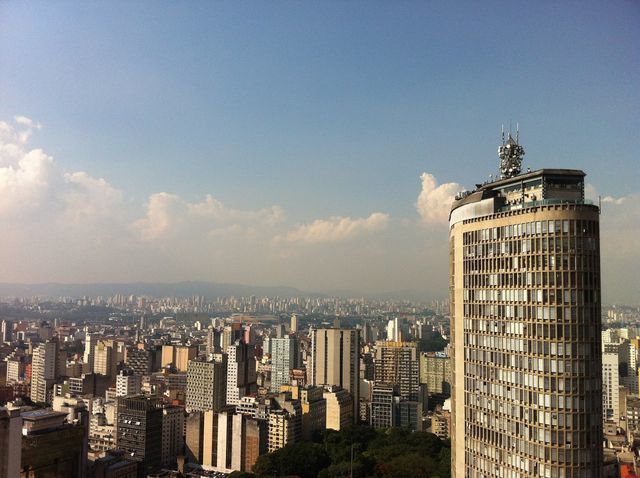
{"x":502,"y":133}
{"x":510,"y":154}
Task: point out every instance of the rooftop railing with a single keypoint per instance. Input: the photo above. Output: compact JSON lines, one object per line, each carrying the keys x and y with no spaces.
{"x":544,"y":202}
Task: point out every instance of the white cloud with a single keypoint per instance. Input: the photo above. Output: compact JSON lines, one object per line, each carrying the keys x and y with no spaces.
{"x":169,"y":215}
{"x":335,"y":229}
{"x":87,"y":198}
{"x":71,"y":226}
{"x":434,"y":201}
{"x":592,"y":194}
{"x":33,"y":186}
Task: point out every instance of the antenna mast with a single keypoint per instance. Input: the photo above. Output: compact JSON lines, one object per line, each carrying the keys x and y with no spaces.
{"x":510,"y":154}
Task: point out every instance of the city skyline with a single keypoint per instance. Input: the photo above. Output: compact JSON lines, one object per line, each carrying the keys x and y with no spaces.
{"x":309,"y":149}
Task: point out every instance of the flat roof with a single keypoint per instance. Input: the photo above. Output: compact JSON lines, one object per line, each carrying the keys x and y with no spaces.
{"x":42,"y":414}
{"x":533,"y":174}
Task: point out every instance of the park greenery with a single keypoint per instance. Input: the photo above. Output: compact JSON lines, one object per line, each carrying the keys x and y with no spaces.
{"x":432,"y":342}
{"x":361,"y":452}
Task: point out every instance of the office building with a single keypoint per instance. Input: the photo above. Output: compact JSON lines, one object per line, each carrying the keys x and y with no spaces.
{"x":206,"y":384}
{"x":54,"y":445}
{"x":213,"y":341}
{"x":335,"y":361}
{"x":10,"y":442}
{"x":172,"y":434}
{"x":194,"y":437}
{"x":139,"y":431}
{"x":115,"y":464}
{"x":525,"y":325}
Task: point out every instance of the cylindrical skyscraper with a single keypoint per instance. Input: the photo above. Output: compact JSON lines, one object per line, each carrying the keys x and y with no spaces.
{"x":525,"y":326}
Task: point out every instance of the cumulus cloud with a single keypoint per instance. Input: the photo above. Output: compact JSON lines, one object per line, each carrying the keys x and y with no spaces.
{"x":169,"y":215}
{"x":334,"y":229}
{"x":33,"y":186}
{"x":592,"y":194}
{"x":87,"y":198}
{"x":434,"y":201}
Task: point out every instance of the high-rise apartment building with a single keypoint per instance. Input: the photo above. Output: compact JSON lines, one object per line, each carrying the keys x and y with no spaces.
{"x":45,"y":369}
{"x":173,"y":428}
{"x":396,"y":363}
{"x":335,"y":360}
{"x":435,"y":372}
{"x":314,"y":408}
{"x":128,"y":383}
{"x":89,"y":347}
{"x":104,"y":358}
{"x":6,"y":331}
{"x":140,"y":361}
{"x":207,"y":383}
{"x":525,"y":325}
{"x":611,"y":383}
{"x":383,"y":406}
{"x":284,"y":357}
{"x":241,"y":371}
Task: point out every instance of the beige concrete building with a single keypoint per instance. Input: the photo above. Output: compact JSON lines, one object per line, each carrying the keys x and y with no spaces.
{"x":335,"y":361}
{"x":284,"y":427}
{"x":183,"y":355}
{"x":207,"y":384}
{"x":45,"y":369}
{"x":525,"y":326}
{"x":440,"y":424}
{"x":339,"y":408}
{"x":104,"y":358}
{"x":435,"y":372}
{"x":314,"y":408}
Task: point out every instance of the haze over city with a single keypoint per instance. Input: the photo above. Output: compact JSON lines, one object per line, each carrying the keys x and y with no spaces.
{"x":311,"y":145}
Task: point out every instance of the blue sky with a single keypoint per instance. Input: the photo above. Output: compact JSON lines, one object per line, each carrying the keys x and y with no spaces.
{"x":321,"y":108}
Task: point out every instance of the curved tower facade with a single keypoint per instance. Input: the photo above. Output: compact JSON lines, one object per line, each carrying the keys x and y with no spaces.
{"x":525,"y":326}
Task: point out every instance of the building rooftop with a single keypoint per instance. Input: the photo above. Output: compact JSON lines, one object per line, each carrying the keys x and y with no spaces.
{"x":523,"y":190}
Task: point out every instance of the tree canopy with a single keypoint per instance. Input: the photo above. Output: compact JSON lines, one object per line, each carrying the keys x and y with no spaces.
{"x":432,"y":342}
{"x":363,"y":451}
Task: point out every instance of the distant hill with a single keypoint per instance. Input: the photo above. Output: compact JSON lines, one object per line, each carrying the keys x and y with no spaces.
{"x":153,"y":289}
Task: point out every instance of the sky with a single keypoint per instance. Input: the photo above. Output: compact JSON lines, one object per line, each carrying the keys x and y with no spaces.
{"x":310,"y":144}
